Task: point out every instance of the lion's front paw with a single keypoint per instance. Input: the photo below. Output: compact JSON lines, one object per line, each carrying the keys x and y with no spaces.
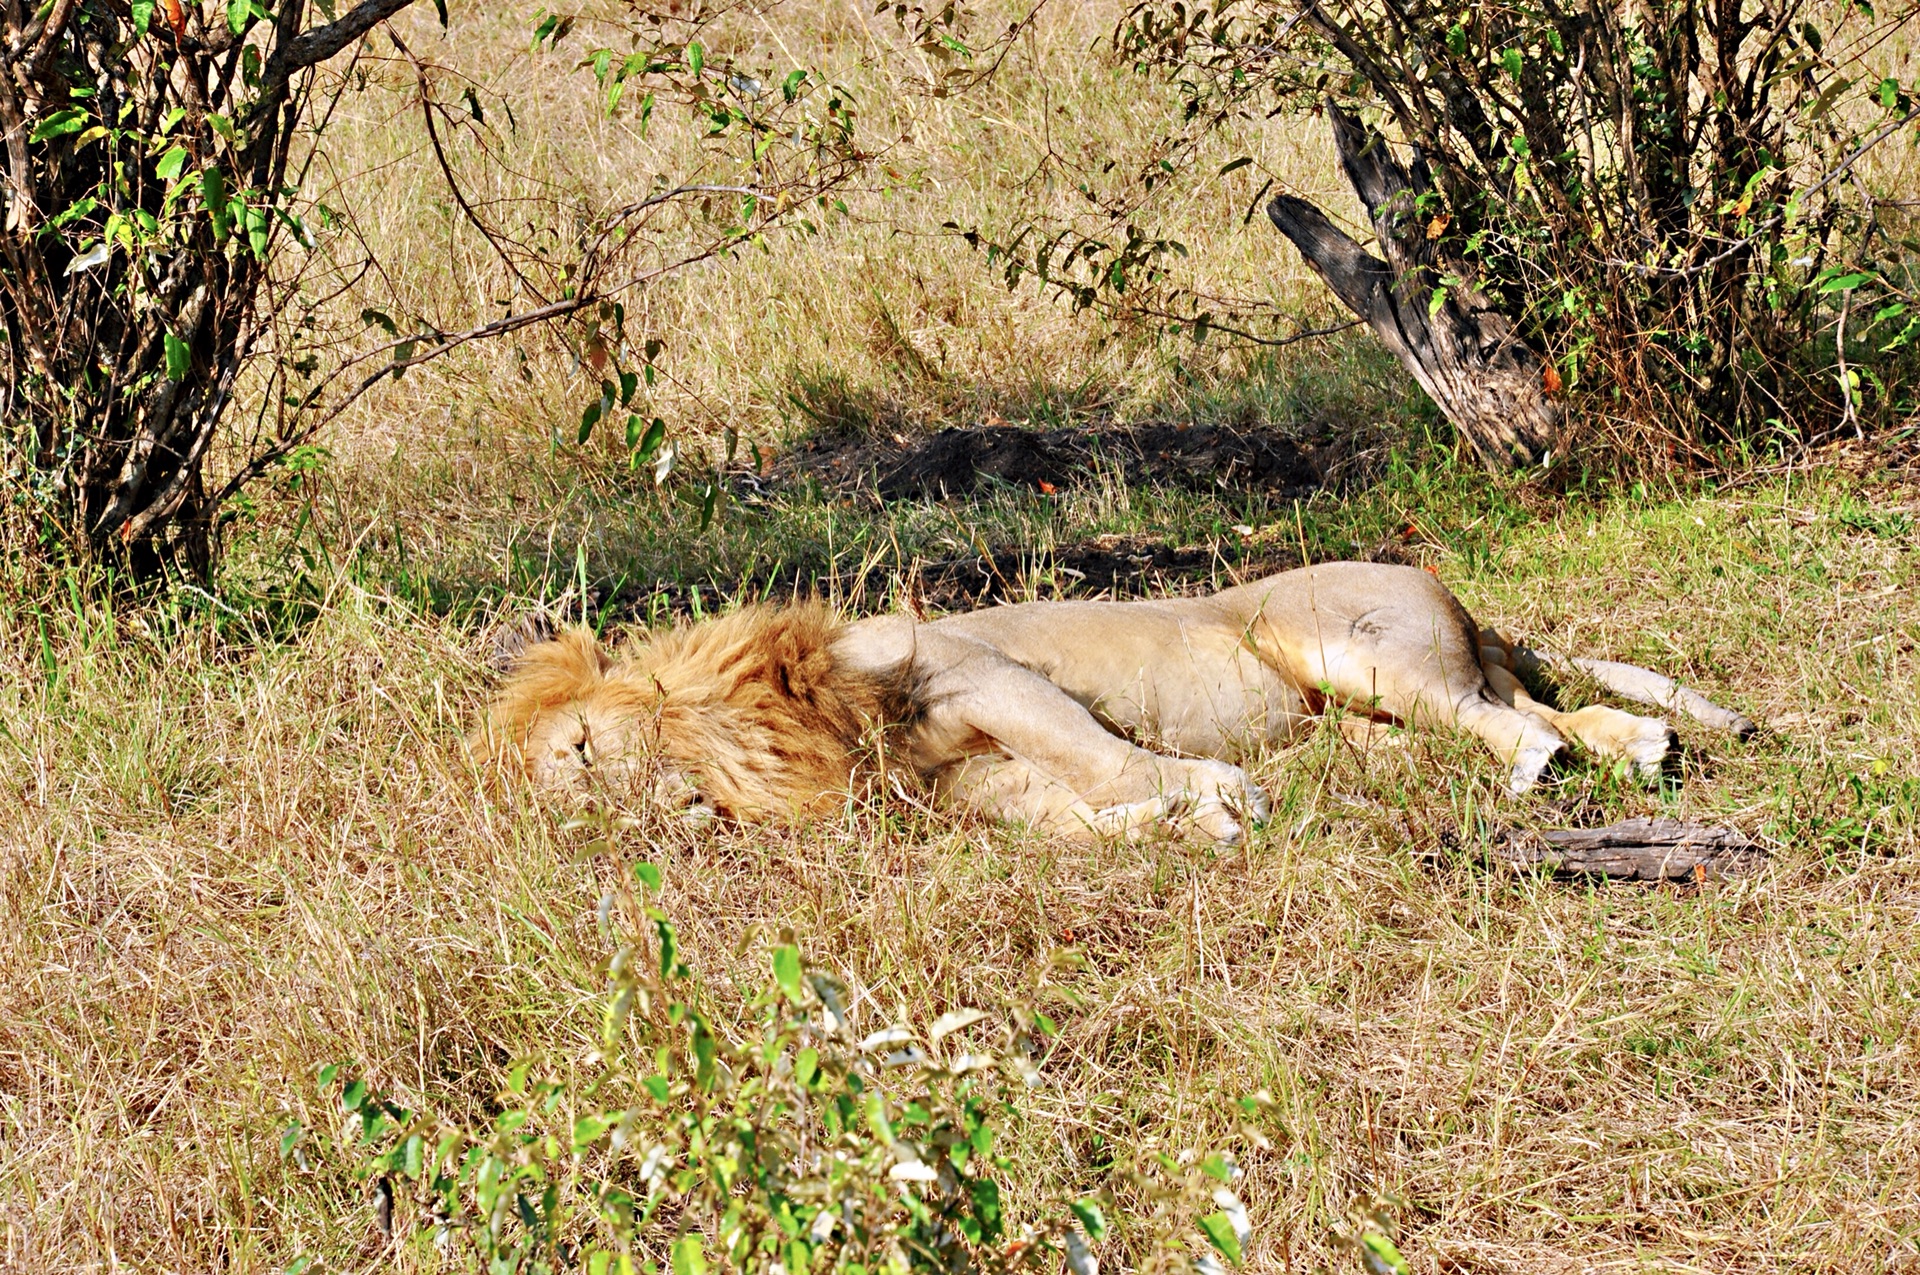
{"x":1223,"y":799}
{"x":1131,"y":819}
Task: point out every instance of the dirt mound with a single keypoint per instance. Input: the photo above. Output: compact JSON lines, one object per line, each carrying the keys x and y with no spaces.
{"x":960,"y":461}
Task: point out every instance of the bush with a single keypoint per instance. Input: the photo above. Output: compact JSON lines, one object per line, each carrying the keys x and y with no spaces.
{"x":764,"y":1140}
{"x":1668,"y":201}
{"x":153,"y":189}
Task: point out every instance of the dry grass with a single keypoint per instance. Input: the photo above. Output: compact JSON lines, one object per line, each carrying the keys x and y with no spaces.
{"x":238,"y":840}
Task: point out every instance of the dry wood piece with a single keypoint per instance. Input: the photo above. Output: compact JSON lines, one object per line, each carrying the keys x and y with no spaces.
{"x":1464,"y":353}
{"x":1636,"y":850}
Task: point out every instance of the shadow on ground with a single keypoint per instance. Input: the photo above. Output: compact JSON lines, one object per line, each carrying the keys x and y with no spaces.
{"x":961,"y":465}
{"x":960,"y":461}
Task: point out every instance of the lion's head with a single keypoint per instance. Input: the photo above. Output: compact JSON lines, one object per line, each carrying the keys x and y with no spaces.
{"x":751,"y":715}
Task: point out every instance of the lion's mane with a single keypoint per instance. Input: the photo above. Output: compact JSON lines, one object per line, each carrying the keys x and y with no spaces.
{"x":754,"y":706}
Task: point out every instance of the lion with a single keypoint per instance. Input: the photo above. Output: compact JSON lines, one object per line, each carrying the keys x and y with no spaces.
{"x":1083,"y":718}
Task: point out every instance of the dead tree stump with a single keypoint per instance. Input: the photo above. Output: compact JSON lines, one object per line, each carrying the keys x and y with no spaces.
{"x":1464,"y":352}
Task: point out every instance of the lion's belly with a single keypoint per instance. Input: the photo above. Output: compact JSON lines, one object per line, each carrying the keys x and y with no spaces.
{"x":1218,"y":703}
{"x":1162,"y":674}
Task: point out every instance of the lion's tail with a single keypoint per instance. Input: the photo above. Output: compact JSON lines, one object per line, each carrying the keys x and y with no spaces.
{"x":1629,"y":681}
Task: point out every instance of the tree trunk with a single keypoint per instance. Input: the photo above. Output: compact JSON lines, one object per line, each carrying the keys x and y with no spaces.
{"x":1491,"y":384}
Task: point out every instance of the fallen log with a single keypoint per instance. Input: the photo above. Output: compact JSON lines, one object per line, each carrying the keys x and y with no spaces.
{"x":1635,"y":850}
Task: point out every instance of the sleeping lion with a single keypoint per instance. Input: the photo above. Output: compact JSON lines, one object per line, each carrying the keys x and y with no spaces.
{"x":1101,"y":719}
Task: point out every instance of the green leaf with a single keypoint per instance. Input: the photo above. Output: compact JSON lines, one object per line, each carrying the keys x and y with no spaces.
{"x":213,"y":193}
{"x":647,"y":443}
{"x":141,"y":12}
{"x":647,"y":875}
{"x":876,"y":1112}
{"x":1242,"y":162}
{"x":241,"y":14}
{"x":60,"y":123}
{"x":688,"y":1259}
{"x":696,"y":58}
{"x":1219,"y":1229}
{"x":1092,"y":1220}
{"x":786,"y":970}
{"x":179,"y":358}
{"x":806,"y":1065}
{"x":258,"y":223}
{"x":1511,"y":60}
{"x":1457,"y":40}
{"x":171,"y":163}
{"x":1380,"y":1255}
{"x":669,"y":950}
{"x":1846,"y":282}
{"x":588,"y":419}
{"x":588,"y":1130}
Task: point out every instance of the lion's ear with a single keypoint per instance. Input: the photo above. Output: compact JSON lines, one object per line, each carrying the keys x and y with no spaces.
{"x":511,"y":640}
{"x":564,"y":667}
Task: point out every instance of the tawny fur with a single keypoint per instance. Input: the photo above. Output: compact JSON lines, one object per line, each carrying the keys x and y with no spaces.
{"x":1030,"y":712}
{"x":753,"y":708}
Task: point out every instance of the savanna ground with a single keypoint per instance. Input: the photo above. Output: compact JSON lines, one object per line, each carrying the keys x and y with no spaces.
{"x":241,"y":840}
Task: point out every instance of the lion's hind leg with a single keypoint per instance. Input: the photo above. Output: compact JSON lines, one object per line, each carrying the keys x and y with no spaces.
{"x":1527,"y":742}
{"x":1643,"y":742}
{"x":1642,"y":686}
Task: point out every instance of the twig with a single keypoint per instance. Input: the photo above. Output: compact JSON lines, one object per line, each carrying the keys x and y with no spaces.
{"x":1737,"y":246}
{"x":1848,"y":415}
{"x":446,"y":170}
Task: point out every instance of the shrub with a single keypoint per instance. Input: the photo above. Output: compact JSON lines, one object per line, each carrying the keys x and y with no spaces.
{"x":1667,"y":202}
{"x":153,"y":186}
{"x":770,"y":1140}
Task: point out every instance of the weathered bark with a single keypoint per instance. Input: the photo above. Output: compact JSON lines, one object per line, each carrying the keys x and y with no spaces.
{"x":1636,"y":850}
{"x":1464,"y":353}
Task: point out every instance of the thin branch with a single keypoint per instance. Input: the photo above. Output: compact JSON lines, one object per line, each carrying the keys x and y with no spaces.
{"x":1737,"y":246}
{"x":446,"y":170}
{"x":1305,"y":334}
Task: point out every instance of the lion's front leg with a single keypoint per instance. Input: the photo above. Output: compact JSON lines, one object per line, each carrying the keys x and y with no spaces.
{"x":1013,"y":790}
